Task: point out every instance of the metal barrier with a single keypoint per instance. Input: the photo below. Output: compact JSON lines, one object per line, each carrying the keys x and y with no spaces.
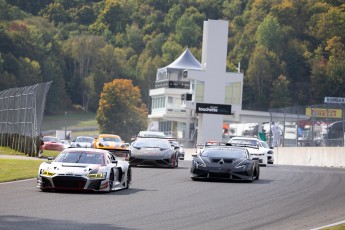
{"x":21,"y":115}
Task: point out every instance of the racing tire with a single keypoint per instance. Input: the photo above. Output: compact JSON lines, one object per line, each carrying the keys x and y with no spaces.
{"x":176,"y":162}
{"x":111,"y":181}
{"x":173,"y":162}
{"x":129,"y":177}
{"x":254,"y":175}
{"x":257,"y":174}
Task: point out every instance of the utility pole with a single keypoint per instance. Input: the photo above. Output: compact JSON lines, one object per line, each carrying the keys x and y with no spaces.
{"x":65,"y":125}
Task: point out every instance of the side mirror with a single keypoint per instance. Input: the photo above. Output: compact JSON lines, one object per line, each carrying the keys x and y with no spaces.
{"x":271,"y":147}
{"x":50,"y":158}
{"x":114,"y":161}
{"x":194,"y":154}
{"x":176,"y":148}
{"x":255,"y":158}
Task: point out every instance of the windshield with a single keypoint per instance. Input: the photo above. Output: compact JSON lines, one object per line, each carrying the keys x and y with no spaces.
{"x":152,"y":143}
{"x":84,"y":139}
{"x":80,"y":157}
{"x":226,"y":153}
{"x":151,"y":134}
{"x":246,"y":142}
{"x":114,"y":139}
{"x":264,"y":144}
{"x":51,"y":139}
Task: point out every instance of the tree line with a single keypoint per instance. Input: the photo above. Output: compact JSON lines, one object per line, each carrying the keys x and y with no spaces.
{"x":291,"y":52}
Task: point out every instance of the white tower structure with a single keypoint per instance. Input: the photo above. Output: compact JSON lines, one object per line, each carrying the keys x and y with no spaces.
{"x":215,"y":78}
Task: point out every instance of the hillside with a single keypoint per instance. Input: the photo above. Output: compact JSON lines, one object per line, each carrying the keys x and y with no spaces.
{"x":291,"y":52}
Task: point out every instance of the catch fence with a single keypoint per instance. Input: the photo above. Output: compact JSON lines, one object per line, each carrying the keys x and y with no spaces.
{"x":21,"y":115}
{"x":313,"y":125}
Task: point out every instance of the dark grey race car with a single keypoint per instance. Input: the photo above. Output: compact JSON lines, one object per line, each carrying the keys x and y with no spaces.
{"x":153,"y":152}
{"x":225,"y":162}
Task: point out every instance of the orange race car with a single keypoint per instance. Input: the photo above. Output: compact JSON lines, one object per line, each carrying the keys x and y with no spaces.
{"x":112,"y":143}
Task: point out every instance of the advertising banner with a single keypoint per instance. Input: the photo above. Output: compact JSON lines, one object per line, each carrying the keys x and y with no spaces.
{"x":320,"y":112}
{"x":213,"y":108}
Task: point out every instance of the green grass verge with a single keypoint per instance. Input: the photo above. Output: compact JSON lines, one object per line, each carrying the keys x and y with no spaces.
{"x":9,"y":151}
{"x":13,"y":169}
{"x":12,"y":152}
{"x":337,"y":227}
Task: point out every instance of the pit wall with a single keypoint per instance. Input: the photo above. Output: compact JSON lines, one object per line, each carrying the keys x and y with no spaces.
{"x":310,"y":156}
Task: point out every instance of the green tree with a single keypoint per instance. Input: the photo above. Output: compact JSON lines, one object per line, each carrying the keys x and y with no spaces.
{"x":270,"y":34}
{"x":171,"y":50}
{"x":280,"y":96}
{"x":83,"y":53}
{"x":259,"y":78}
{"x":121,"y":110}
{"x":85,"y":15}
{"x":56,"y":13}
{"x":188,"y":32}
{"x":135,"y":38}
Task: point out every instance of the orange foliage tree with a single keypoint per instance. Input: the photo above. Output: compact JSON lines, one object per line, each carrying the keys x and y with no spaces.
{"x":121,"y":110}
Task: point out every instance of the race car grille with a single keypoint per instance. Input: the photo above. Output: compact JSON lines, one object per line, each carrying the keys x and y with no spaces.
{"x":46,"y":183}
{"x":163,"y":162}
{"x":219,"y":175}
{"x":94,"y":185}
{"x":69,"y":182}
{"x":216,"y":160}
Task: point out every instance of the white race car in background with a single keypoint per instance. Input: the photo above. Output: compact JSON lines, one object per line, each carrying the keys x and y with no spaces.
{"x":82,"y":142}
{"x":254,"y":147}
{"x":84,"y":169}
{"x":269,"y":150}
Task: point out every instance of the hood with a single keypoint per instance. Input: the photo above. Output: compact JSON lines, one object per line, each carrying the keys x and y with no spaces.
{"x":209,"y":160}
{"x":72,"y":168}
{"x":82,"y":144}
{"x":111,"y":144}
{"x":149,"y":151}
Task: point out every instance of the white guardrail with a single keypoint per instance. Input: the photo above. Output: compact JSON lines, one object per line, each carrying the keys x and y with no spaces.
{"x":310,"y":156}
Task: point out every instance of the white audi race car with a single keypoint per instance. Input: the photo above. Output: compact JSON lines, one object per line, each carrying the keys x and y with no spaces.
{"x":84,"y":169}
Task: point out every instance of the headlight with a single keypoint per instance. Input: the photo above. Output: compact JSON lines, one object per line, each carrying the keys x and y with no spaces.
{"x":200,"y":162}
{"x":97,"y":175}
{"x":243,"y":167}
{"x":47,"y":173}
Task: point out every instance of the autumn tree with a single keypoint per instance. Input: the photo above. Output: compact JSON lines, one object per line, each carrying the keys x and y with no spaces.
{"x":121,"y":110}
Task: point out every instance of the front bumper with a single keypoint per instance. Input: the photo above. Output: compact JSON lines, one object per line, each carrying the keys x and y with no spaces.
{"x":69,"y":182}
{"x":160,"y":161}
{"x":216,"y":172}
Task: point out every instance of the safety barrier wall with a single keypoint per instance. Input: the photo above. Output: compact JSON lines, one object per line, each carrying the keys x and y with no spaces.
{"x":310,"y":156}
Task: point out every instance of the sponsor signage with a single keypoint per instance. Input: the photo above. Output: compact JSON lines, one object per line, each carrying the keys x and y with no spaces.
{"x":335,"y":100}
{"x":173,"y":84}
{"x":320,"y":112}
{"x":213,"y":108}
